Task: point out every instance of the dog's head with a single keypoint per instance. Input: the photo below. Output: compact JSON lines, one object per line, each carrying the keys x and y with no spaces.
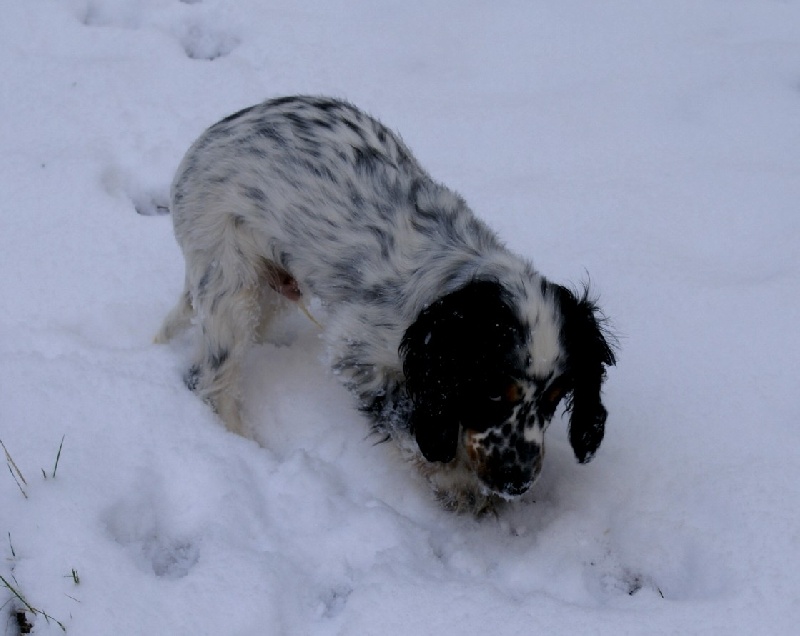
{"x":485,"y":381}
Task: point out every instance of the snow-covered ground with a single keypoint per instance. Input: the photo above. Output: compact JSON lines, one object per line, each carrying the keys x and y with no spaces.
{"x":654,"y":145}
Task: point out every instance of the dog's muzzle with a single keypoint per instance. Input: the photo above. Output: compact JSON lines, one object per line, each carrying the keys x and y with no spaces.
{"x":507,"y":467}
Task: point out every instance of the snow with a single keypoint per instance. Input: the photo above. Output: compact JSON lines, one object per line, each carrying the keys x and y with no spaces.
{"x":654,"y":145}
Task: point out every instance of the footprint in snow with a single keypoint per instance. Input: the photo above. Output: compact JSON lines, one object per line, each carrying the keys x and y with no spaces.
{"x":608,"y":579}
{"x":199,"y":34}
{"x":201,"y":42}
{"x":143,"y":532}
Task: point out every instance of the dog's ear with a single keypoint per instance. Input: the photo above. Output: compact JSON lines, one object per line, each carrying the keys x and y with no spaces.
{"x":425,"y":365}
{"x":449,"y":345}
{"x":436,"y":433}
{"x":589,"y":350}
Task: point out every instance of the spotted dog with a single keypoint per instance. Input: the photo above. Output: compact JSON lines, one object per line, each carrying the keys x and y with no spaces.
{"x":457,"y":349}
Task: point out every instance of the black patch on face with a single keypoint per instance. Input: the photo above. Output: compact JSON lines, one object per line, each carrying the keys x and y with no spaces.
{"x":520,"y":445}
{"x":456,"y":357}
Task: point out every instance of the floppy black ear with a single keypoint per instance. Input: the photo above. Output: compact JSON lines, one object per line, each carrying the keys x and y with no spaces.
{"x":424,"y":350}
{"x":449,"y":345}
{"x":589,"y":352}
{"x":436,"y":434}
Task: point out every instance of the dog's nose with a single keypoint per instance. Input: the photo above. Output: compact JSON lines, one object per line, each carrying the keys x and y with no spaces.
{"x":515,"y":475}
{"x":512,"y":481}
{"x":515,"y":490}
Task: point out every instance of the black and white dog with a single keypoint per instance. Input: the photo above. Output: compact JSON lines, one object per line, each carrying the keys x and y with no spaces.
{"x":456,"y":348}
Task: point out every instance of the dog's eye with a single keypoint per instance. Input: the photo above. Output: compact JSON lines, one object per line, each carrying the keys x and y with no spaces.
{"x":510,"y":392}
{"x":552,"y":396}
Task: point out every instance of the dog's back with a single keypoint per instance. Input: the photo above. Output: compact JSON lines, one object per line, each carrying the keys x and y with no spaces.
{"x":326,"y":192}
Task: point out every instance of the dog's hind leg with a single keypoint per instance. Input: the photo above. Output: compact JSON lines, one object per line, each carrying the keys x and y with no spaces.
{"x":224,"y":278}
{"x":227,"y":324}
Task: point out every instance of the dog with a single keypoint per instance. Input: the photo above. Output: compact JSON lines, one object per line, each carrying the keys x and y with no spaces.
{"x":456,"y":349}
